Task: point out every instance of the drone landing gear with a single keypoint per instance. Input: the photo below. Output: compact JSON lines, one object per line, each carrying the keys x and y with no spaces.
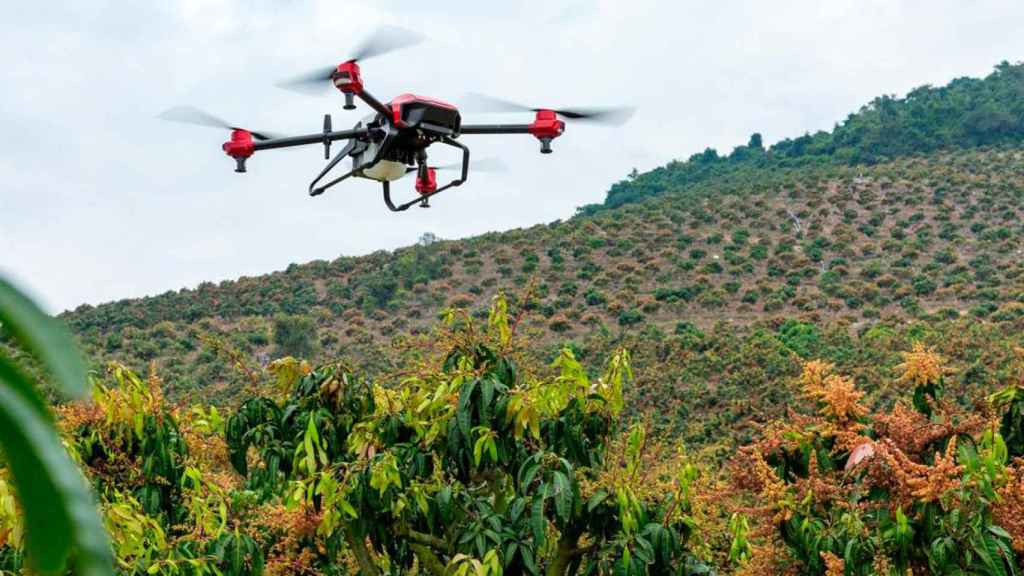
{"x":344,"y":152}
{"x":423,"y":200}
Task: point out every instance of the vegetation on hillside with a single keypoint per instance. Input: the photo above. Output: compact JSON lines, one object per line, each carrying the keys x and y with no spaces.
{"x":966,"y":113}
{"x":716,"y":295}
{"x":473,"y":459}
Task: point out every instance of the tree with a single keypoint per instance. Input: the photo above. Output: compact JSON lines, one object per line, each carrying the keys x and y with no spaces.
{"x":295,"y":336}
{"x":475,"y":465}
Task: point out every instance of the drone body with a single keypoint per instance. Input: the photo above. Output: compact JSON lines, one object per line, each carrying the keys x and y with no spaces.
{"x":393,"y":141}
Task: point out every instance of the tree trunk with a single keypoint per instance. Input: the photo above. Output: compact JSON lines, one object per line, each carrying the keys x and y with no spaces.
{"x":429,"y":561}
{"x":358,"y":546}
{"x":563,"y":556}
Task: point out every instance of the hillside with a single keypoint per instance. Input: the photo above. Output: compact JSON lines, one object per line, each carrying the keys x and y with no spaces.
{"x":805,"y":359}
{"x":718,"y":284}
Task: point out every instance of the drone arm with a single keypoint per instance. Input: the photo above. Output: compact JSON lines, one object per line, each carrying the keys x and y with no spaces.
{"x":374,"y":103}
{"x":495,"y":129}
{"x":309,"y":139}
{"x":545,"y":128}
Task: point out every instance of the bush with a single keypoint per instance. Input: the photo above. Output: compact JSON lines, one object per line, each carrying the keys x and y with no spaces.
{"x":594,"y":297}
{"x":630,"y":317}
{"x":295,"y":336}
{"x":923,"y":285}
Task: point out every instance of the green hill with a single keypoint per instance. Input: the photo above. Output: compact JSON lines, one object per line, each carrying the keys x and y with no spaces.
{"x":902,"y":224}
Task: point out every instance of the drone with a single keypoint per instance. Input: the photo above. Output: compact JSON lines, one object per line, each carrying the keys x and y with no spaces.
{"x":393,"y":140}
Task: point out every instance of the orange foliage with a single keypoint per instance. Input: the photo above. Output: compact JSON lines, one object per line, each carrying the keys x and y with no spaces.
{"x":1008,"y":511}
{"x":921,"y":366}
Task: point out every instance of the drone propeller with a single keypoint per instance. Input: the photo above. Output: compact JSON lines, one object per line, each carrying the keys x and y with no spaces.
{"x":613,"y":116}
{"x":490,"y":165}
{"x":381,"y":41}
{"x":191,"y":115}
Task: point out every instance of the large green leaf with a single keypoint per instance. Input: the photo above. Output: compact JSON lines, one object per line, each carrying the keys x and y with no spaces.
{"x":60,"y":514}
{"x":563,"y":496}
{"x":44,"y":337}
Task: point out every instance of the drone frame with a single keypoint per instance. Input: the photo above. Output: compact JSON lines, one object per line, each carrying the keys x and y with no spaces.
{"x":382,"y":132}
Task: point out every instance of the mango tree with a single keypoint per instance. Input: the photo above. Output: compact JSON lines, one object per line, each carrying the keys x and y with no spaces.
{"x":469,"y":465}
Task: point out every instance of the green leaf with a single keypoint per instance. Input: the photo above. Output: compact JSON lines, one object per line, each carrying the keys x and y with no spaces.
{"x":487,"y":394}
{"x":44,"y":337}
{"x":478,"y":449}
{"x":516,"y":510}
{"x":563,"y":496}
{"x":999,"y":531}
{"x":528,"y":471}
{"x":20,"y":384}
{"x":537,"y":522}
{"x":60,"y":514}
{"x":596,"y":500}
{"x":528,"y":561}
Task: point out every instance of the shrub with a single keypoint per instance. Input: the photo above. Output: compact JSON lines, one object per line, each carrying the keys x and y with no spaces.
{"x":594,"y":297}
{"x":630,"y":317}
{"x":295,"y":336}
{"x":923,"y":285}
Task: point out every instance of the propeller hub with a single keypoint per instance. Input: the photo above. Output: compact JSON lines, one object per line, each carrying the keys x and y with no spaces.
{"x":240,"y":145}
{"x":546,"y":127}
{"x":347,"y":78}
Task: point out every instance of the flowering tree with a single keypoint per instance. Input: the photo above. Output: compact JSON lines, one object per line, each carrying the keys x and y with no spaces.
{"x":926,"y":487}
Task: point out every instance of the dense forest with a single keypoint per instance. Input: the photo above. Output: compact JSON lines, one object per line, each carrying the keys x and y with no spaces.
{"x":800,"y":359}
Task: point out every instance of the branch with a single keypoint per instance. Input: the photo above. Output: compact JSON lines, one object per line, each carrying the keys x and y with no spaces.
{"x":426,"y":539}
{"x":796,"y":220}
{"x":428,"y":560}
{"x":358,"y":546}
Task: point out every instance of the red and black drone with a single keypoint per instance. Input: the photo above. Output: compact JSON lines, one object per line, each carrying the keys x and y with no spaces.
{"x":393,"y":141}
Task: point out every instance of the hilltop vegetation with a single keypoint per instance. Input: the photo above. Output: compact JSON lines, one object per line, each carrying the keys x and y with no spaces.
{"x":793,"y":262}
{"x":966,"y":113}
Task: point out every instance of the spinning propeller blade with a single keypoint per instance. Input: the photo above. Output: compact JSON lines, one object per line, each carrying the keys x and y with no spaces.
{"x":315,"y":82}
{"x":490,"y":165}
{"x":381,"y":41}
{"x":481,"y":165}
{"x":192,"y":115}
{"x":613,"y":116}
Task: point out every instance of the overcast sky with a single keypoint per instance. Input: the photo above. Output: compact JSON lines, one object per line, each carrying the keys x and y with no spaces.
{"x":100,"y":201}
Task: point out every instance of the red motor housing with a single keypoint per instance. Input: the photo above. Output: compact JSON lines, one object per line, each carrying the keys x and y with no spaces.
{"x":429,"y":185}
{"x":547,"y":125}
{"x":240,"y":145}
{"x":348,"y":79}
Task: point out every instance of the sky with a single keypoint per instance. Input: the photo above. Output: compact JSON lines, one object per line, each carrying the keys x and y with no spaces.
{"x":100,"y":200}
